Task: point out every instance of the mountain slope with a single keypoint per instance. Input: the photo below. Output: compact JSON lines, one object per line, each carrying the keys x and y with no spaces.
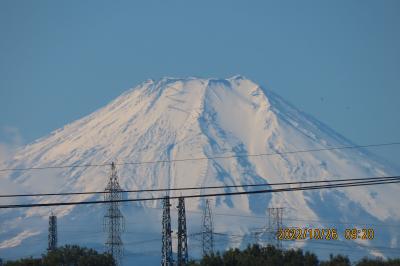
{"x":173,"y":119}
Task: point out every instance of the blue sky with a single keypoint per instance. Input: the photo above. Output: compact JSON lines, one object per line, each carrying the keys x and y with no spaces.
{"x":336,"y":60}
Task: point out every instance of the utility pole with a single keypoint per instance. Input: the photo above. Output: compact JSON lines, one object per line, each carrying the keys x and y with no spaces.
{"x":52,"y":237}
{"x":275,"y":216}
{"x":207,"y":232}
{"x":113,"y":218}
{"x":182,"y":234}
{"x":166,"y":259}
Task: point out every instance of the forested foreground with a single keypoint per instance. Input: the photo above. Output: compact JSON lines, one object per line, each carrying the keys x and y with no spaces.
{"x":67,"y":256}
{"x":251,"y":256}
{"x":258,"y":256}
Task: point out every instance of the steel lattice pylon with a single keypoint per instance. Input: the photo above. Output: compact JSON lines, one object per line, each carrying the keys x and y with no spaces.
{"x":52,"y":237}
{"x":183,"y":256}
{"x":166,"y":259}
{"x":275,"y":216}
{"x":113,"y":219}
{"x":207,"y":232}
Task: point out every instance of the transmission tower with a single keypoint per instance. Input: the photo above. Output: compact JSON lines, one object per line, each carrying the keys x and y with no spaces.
{"x":113,"y":219}
{"x":275,"y":216}
{"x":52,"y":238}
{"x":207,"y":233}
{"x":182,"y":234}
{"x":166,"y":259}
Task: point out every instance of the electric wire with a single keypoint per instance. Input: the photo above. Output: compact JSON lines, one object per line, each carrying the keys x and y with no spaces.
{"x":201,"y":158}
{"x":201,"y":188}
{"x":349,"y":184}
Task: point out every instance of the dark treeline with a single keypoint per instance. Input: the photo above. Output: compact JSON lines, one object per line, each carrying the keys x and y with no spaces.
{"x":67,"y":256}
{"x":251,"y":256}
{"x":261,"y":256}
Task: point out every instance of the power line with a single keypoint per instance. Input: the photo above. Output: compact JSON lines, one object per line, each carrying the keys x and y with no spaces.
{"x":341,"y":243}
{"x":352,"y":184}
{"x":200,"y":158}
{"x":307,"y":242}
{"x":305,"y":220}
{"x":290,"y":219}
{"x":343,"y":223}
{"x":256,"y":217}
{"x":202,"y":188}
{"x":264,"y":154}
{"x":241,"y":216}
{"x":361,"y":183}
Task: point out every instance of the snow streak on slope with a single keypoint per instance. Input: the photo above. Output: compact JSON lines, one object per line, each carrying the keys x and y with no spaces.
{"x":174,"y":119}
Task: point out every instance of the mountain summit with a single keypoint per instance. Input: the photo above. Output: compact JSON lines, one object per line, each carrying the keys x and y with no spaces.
{"x":178,"y":119}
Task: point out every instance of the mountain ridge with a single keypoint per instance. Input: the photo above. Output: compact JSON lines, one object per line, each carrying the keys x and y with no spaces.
{"x":175,"y":118}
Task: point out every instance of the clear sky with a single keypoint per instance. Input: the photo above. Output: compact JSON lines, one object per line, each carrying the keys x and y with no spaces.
{"x":336,"y":60}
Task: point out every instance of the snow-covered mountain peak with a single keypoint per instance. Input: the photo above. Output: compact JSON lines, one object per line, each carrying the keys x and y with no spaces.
{"x":179,"y":118}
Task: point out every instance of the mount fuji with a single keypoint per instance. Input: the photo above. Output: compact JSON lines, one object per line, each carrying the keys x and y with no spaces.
{"x":181,"y":118}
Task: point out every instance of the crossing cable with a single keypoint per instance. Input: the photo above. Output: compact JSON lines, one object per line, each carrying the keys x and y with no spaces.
{"x":382,"y":178}
{"x":200,"y":158}
{"x":307,"y":241}
{"x":249,"y":238}
{"x":348,"y":184}
{"x":338,"y":223}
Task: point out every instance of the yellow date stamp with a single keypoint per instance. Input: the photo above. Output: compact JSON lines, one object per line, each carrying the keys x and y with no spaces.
{"x":355,"y":233}
{"x":295,"y":233}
